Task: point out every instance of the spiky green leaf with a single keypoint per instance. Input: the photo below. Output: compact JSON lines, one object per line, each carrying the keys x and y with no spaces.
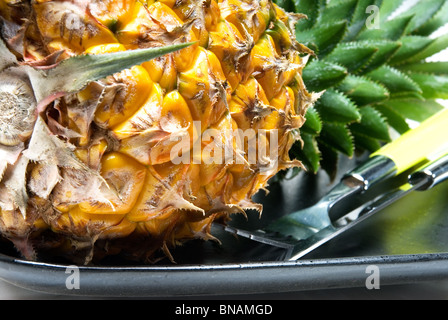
{"x":309,"y":154}
{"x":363,"y":142}
{"x":421,"y":12}
{"x":73,"y":74}
{"x":338,"y":137}
{"x":386,"y":50}
{"x":352,"y":55}
{"x":433,"y":86}
{"x":438,"y":45}
{"x":389,"y":30}
{"x":320,"y":75}
{"x":329,"y":159}
{"x":311,"y":9}
{"x":323,"y":38}
{"x":435,"y":23}
{"x":313,"y":123}
{"x":389,"y":7}
{"x":380,"y":85}
{"x":410,"y":46}
{"x":438,"y":68}
{"x":394,"y":118}
{"x":288,"y":5}
{"x":333,"y":106}
{"x":337,"y":11}
{"x":372,"y":125}
{"x":362,"y":90}
{"x":413,"y":109}
{"x":396,"y":82}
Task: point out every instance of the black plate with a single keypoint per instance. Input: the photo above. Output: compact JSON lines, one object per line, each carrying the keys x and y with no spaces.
{"x":407,"y":243}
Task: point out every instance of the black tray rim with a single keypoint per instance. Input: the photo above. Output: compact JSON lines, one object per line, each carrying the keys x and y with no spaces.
{"x":224,"y":279}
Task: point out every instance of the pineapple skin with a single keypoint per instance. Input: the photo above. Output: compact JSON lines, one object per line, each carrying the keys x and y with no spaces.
{"x":243,"y":72}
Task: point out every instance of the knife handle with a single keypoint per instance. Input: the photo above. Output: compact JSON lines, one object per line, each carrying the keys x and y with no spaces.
{"x":411,"y":148}
{"x":417,"y":145}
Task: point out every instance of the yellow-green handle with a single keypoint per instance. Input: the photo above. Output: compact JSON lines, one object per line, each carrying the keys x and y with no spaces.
{"x":428,"y":140}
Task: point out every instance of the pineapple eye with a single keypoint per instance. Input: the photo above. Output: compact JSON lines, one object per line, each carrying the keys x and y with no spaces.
{"x":17,"y":111}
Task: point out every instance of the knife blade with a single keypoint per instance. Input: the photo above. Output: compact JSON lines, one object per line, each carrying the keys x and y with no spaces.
{"x":425,"y":178}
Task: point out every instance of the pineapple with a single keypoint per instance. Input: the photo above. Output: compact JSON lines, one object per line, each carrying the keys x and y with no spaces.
{"x":373,"y":59}
{"x":124,"y":161}
{"x":126,"y":164}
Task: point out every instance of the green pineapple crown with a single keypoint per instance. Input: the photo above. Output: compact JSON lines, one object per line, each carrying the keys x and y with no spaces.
{"x":373,"y":65}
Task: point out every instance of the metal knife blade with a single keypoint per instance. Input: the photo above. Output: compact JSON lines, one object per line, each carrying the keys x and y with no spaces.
{"x":317,"y":229}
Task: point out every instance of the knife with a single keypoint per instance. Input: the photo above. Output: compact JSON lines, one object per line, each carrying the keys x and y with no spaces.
{"x":423,"y":150}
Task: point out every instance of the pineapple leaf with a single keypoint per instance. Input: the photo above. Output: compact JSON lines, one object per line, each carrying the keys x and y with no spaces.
{"x":437,"y":21}
{"x":329,"y":159}
{"x":372,"y":125}
{"x":389,"y":30}
{"x":395,"y":81}
{"x":410,"y":46}
{"x":341,"y":10}
{"x":338,"y":137}
{"x":309,"y":154}
{"x":438,"y":68}
{"x":386,"y":50}
{"x":366,"y":143}
{"x":375,"y":80}
{"x":333,"y":106}
{"x":422,"y":11}
{"x":313,"y":123}
{"x":433,"y":86}
{"x":413,"y":109}
{"x":388,"y":8}
{"x":362,"y":90}
{"x":287,"y":5}
{"x":73,"y":74}
{"x":309,"y":8}
{"x":352,"y":55}
{"x":394,"y":118}
{"x":438,"y":45}
{"x":320,"y":75}
{"x":323,"y":38}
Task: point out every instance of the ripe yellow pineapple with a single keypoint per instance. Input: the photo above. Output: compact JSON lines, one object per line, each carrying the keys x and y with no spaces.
{"x":148,"y":157}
